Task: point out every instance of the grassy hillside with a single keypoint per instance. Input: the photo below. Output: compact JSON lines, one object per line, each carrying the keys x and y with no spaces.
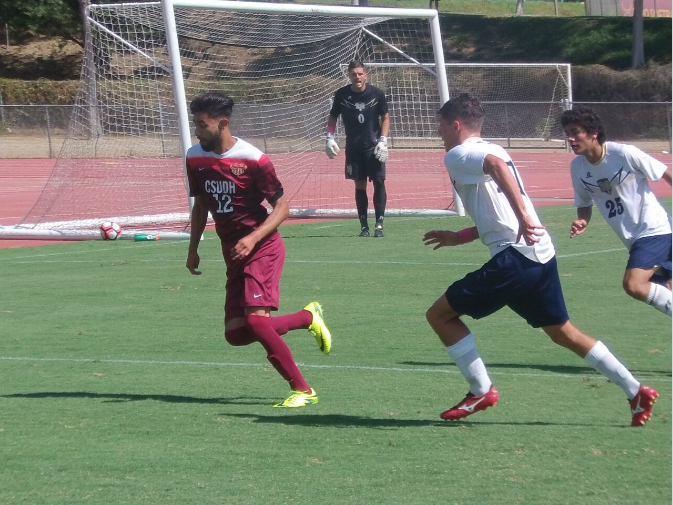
{"x":583,"y":42}
{"x":578,"y":41}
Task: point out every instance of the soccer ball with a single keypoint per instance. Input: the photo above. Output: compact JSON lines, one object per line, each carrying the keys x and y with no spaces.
{"x":110,"y":231}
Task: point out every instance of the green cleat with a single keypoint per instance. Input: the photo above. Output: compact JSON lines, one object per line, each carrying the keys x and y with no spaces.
{"x":299,"y":399}
{"x":318,"y":328}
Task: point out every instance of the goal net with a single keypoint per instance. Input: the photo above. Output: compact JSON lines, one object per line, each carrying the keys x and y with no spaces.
{"x":122,"y":160}
{"x":523,"y":102}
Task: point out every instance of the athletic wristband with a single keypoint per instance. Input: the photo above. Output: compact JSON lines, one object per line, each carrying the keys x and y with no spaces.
{"x":465,"y":235}
{"x":383,"y":139}
{"x":330,"y":131}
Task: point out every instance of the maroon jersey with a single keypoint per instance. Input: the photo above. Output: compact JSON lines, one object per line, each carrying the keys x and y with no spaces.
{"x":234,"y":185}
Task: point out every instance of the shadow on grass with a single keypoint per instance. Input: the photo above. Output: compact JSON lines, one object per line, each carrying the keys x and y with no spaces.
{"x":338,"y":420}
{"x":349,"y":421}
{"x":285,"y":417}
{"x":123,"y":397}
{"x":560,"y":369}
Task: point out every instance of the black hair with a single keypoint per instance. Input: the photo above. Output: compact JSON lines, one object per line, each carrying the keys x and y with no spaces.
{"x":466,"y":108}
{"x":587,"y":119}
{"x":356,"y":64}
{"x":216,"y":105}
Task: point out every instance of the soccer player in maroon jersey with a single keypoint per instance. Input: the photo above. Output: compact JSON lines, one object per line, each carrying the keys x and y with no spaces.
{"x":230,"y":178}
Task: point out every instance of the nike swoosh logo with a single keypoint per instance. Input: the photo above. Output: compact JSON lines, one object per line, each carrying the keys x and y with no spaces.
{"x":256,"y":296}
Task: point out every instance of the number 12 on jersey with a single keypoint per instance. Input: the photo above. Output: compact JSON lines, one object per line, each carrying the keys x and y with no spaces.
{"x":223,"y":203}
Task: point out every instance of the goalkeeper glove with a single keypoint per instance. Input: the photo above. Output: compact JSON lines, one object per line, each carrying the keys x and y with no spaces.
{"x":381,"y":149}
{"x":331,"y":147}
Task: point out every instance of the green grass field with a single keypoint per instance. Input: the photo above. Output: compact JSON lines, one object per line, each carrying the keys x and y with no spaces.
{"x":118,"y":388}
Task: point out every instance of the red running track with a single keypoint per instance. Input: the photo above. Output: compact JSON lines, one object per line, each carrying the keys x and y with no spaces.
{"x":545,"y":175}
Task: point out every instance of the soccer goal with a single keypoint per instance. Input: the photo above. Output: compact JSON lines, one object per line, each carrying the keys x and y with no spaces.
{"x":122,"y":160}
{"x":523,"y":101}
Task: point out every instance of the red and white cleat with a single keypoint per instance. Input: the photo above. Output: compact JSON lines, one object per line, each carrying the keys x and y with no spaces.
{"x":471,"y":404}
{"x":641,"y":405}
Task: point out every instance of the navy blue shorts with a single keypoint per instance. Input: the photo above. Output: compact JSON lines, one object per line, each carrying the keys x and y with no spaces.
{"x":362,"y":164}
{"x":531,"y":289}
{"x":649,"y":252}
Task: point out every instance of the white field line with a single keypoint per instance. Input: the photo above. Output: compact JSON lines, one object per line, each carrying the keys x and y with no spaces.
{"x":40,"y":258}
{"x":302,"y":365}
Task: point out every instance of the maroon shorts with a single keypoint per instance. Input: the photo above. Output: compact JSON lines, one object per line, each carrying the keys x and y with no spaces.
{"x":255,"y":280}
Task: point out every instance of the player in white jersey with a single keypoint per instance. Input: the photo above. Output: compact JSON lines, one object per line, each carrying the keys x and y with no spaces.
{"x":614,"y":177}
{"x":521,"y":274}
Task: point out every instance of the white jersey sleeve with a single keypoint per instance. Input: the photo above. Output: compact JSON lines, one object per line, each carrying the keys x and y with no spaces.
{"x":467,"y":165}
{"x":618,"y":186}
{"x":582,"y":194}
{"x":652,"y":168}
{"x":486,"y":203}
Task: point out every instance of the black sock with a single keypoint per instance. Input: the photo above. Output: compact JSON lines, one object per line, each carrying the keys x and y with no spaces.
{"x":361,"y":204}
{"x":380,"y":197}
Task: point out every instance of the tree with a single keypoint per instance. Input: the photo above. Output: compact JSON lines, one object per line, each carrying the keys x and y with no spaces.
{"x":519,"y":7}
{"x":637,"y":44}
{"x":50,"y":18}
{"x":54,"y":18}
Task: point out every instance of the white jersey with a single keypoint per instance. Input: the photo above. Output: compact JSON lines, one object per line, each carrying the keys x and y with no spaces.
{"x":486,"y":203}
{"x":618,"y":186}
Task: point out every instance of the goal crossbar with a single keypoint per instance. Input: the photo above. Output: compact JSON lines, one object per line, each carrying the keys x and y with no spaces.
{"x":322,"y":10}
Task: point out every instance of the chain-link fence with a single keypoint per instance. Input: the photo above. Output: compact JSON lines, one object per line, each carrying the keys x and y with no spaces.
{"x":33,"y":131}
{"x":39,"y":131}
{"x":651,"y":8}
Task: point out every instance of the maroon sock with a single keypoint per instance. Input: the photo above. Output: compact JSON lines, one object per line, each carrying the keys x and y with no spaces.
{"x":288,"y":322}
{"x":240,"y":336}
{"x":277,"y":351}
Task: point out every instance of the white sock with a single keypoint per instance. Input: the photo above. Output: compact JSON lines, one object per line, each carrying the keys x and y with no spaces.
{"x":466,"y":357}
{"x":660,"y":298}
{"x":600,"y":358}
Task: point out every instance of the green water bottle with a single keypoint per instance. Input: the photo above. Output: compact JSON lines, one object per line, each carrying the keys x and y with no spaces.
{"x":145,"y":238}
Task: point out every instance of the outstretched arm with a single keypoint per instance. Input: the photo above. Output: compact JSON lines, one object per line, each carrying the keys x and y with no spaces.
{"x":446,"y":238}
{"x":579,"y":226}
{"x":501,"y":175}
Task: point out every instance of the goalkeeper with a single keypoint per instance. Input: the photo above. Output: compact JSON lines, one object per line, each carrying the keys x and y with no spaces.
{"x":360,"y":106}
